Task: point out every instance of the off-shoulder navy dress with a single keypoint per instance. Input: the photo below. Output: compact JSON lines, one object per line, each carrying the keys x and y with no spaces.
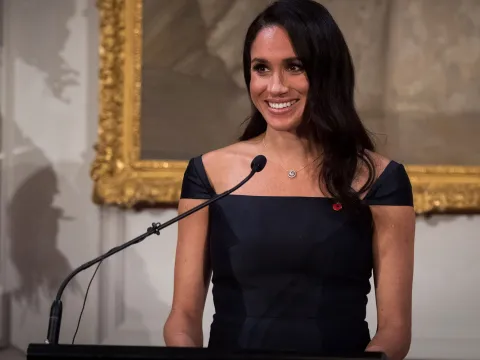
{"x":291,"y":273}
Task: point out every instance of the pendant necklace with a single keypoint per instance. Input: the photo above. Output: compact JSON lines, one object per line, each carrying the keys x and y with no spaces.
{"x":292,"y":173}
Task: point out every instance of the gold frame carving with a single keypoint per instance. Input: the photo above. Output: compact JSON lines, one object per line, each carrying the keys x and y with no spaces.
{"x":122,"y":179}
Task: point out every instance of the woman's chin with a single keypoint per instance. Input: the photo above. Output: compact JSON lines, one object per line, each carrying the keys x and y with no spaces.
{"x":283,"y":123}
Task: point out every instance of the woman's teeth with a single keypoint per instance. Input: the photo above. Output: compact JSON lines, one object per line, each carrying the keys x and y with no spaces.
{"x":281,"y":105}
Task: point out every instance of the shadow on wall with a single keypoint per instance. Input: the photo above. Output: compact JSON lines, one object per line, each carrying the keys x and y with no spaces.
{"x":33,"y":220}
{"x":46,"y":56}
{"x":48,"y":204}
{"x":33,"y":229}
{"x":35,"y":216}
{"x":48,"y":215}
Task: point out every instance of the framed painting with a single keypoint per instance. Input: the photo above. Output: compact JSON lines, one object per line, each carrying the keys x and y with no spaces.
{"x":171,"y":88}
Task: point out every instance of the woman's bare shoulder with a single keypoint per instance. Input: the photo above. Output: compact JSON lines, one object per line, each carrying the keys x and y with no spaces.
{"x":226,"y":165}
{"x":379,"y":162}
{"x":237,"y":152}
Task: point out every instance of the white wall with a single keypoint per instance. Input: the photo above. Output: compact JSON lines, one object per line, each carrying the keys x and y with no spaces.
{"x":49,"y":112}
{"x":49,"y":224}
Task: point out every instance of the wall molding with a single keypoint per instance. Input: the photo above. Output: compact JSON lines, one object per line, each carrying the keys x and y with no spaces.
{"x":112,"y":274}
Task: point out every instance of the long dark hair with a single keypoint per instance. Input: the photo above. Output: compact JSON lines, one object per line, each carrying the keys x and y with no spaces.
{"x":330,"y":120}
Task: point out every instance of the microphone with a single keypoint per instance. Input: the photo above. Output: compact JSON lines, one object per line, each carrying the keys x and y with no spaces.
{"x":55,"y":319}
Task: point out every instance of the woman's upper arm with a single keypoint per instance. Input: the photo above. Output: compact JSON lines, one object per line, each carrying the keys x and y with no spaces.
{"x":393,"y":250}
{"x":192,"y":268}
{"x":192,"y":265}
{"x":391,"y":204}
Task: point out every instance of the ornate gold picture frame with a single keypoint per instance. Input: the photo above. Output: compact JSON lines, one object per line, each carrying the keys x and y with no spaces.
{"x":122,"y":178}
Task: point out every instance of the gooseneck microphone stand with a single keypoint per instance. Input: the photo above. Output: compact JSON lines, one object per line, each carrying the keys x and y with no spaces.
{"x":55,"y":318}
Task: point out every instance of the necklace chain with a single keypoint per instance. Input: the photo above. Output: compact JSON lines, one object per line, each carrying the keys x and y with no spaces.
{"x":292,"y":173}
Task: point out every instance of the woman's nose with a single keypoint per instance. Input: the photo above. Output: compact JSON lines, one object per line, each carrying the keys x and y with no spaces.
{"x":277,"y":85}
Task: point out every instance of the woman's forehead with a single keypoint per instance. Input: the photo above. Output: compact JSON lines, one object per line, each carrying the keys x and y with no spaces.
{"x":272,"y":43}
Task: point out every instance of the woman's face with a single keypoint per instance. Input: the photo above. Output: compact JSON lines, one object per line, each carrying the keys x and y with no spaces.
{"x":278,"y":85}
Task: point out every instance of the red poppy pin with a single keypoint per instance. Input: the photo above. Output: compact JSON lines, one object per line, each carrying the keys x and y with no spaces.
{"x":337,"y":206}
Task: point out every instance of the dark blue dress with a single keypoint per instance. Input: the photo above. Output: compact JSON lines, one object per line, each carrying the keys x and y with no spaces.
{"x":291,"y":273}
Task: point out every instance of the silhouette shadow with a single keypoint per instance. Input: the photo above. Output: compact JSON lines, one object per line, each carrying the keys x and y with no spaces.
{"x":35,"y":223}
{"x":48,"y":202}
{"x":33,"y":228}
{"x":33,"y":218}
{"x":39,"y":228}
{"x":46,"y":56}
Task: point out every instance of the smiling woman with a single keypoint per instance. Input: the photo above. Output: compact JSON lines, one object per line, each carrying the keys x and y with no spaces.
{"x":290,"y":254}
{"x":306,"y":91}
{"x":278,"y":82}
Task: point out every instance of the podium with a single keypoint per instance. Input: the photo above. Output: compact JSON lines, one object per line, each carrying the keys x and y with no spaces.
{"x":114,"y":352}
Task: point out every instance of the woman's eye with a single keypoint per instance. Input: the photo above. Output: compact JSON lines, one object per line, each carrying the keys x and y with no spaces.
{"x":260,"y":68}
{"x":295,"y":68}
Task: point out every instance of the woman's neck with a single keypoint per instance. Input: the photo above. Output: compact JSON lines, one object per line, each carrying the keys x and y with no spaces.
{"x":289,"y":148}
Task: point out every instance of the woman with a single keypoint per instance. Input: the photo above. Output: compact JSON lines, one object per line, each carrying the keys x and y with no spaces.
{"x":292,"y":251}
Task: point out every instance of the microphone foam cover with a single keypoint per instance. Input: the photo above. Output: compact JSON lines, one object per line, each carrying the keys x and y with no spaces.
{"x":258,"y":163}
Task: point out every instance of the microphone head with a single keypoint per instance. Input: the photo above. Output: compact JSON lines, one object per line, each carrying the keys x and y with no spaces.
{"x":258,"y":163}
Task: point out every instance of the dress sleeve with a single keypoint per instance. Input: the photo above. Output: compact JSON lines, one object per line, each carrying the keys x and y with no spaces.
{"x":195,"y":183}
{"x":393,"y":187}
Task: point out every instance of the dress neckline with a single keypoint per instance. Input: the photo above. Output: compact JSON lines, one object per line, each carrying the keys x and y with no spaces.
{"x":374,"y":185}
